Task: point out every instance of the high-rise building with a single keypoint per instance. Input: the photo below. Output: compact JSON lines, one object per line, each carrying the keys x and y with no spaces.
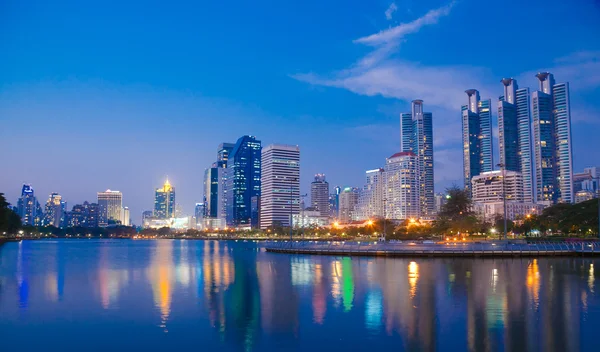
{"x":280,"y":185}
{"x":348,"y":199}
{"x":164,"y":201}
{"x":514,"y":130}
{"x":552,"y":141}
{"x":417,"y":137}
{"x":334,"y":202}
{"x":477,"y":137}
{"x":489,"y":187}
{"x":92,"y":214}
{"x":319,"y":195}
{"x":242,"y":180}
{"x":147,"y":215}
{"x":28,"y":207}
{"x":55,"y":214}
{"x":110,"y":205}
{"x":126,"y":217}
{"x":401,"y":194}
{"x":223,"y":153}
{"x":370,"y":199}
{"x":78,"y":216}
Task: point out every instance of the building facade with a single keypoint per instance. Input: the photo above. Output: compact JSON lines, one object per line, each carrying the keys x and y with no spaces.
{"x":477,"y":137}
{"x":370,"y":199}
{"x":552,"y":141}
{"x":280,"y":185}
{"x":490,"y":186}
{"x":55,"y":211}
{"x":164,"y":201}
{"x":29,"y":208}
{"x":243,"y":180}
{"x":319,"y":195}
{"x":417,"y":137}
{"x":348,"y":199}
{"x":110,"y":205}
{"x":401,"y":187}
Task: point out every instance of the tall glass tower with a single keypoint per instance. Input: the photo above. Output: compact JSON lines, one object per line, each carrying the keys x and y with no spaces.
{"x":417,"y":137}
{"x":164,"y":201}
{"x":552,"y":141}
{"x":477,"y":137}
{"x":28,"y":207}
{"x":243,"y":180}
{"x":514,"y":125}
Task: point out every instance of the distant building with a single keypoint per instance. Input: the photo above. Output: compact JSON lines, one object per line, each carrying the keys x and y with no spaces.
{"x":583,"y":195}
{"x":92,"y":214}
{"x":78,"y":216}
{"x":280,"y":185}
{"x":126,"y":218}
{"x":552,"y":141}
{"x":199,"y":214}
{"x":515,"y":137}
{"x":28,"y":207}
{"x":55,"y":214}
{"x":477,"y":136}
{"x":440,"y":200}
{"x":319,"y":195}
{"x":110,"y":205}
{"x":310,"y":217}
{"x":587,"y":180}
{"x":348,"y":199}
{"x":243,"y":179}
{"x":489,"y":187}
{"x":370,"y":199}
{"x":401,"y":193}
{"x":334,"y":202}
{"x":164,"y":202}
{"x":147,"y":215}
{"x":514,"y":210}
{"x":417,"y":137}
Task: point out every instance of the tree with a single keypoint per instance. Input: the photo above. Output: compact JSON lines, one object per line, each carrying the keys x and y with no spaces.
{"x":10,"y":222}
{"x":456,"y":214}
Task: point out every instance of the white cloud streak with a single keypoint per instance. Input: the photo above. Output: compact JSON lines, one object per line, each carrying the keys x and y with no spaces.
{"x":390,"y":11}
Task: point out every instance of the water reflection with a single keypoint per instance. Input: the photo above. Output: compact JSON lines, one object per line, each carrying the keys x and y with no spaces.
{"x":227,"y":295}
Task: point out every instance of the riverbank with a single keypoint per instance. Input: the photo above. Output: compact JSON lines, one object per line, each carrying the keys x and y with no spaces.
{"x":472,"y":250}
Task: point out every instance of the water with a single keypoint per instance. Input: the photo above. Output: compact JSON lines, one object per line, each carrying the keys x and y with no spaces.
{"x":124,"y":295}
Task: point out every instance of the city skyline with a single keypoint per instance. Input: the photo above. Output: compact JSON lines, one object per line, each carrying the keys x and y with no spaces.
{"x":84,"y":103}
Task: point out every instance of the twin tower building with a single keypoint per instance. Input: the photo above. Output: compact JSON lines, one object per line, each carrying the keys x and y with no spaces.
{"x":534,"y":132}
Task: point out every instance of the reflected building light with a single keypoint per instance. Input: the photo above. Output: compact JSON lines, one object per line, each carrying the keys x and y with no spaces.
{"x":374,"y":310}
{"x":160,"y":276}
{"x":533,"y":282}
{"x":494,"y":280}
{"x":413,"y":277}
{"x":319,"y":300}
{"x":336,"y":293}
{"x":591,"y":278}
{"x":348,"y":284}
{"x":22,"y":276}
{"x":52,"y":286}
{"x":302,"y":271}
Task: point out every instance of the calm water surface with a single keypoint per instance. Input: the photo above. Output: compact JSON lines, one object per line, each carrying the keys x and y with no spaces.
{"x":170,"y":295}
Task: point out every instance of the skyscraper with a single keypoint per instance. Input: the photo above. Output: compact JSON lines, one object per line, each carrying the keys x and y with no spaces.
{"x":319,"y":195}
{"x":110,"y":205}
{"x":214,"y":185}
{"x":477,"y":137}
{"x":417,"y":137}
{"x":28,"y":207}
{"x":55,"y":212}
{"x":552,"y":141}
{"x":164,"y":201}
{"x":223,"y":153}
{"x":514,"y":130}
{"x":242,"y":180}
{"x":280,"y":185}
{"x":370,"y":199}
{"x":348,"y":199}
{"x":401,"y":181}
{"x":126,"y":217}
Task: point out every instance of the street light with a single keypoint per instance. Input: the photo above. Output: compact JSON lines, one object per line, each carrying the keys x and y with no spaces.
{"x":502,"y":166}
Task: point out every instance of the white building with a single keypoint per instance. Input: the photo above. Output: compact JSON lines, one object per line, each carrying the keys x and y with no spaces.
{"x":401,"y":189}
{"x":348,"y":198}
{"x":514,"y":210}
{"x":370,"y":199}
{"x":583,"y":195}
{"x":110,"y":205}
{"x":309,"y":218}
{"x":126,"y":217}
{"x":319,"y":195}
{"x":488,"y":187}
{"x":280,"y":185}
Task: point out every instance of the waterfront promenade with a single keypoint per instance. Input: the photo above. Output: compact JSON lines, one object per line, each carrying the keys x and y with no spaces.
{"x":449,"y":249}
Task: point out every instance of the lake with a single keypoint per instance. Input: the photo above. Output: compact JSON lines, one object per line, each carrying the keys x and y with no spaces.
{"x":180,"y":295}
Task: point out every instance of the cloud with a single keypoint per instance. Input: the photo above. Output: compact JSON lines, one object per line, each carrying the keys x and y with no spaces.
{"x":390,"y":11}
{"x":394,"y":34}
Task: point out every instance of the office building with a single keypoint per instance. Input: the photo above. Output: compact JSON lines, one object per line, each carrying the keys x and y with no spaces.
{"x":310,"y":217}
{"x":369,"y":204}
{"x":489,"y":186}
{"x":28,"y":207}
{"x":78,"y":216}
{"x":319,"y":195}
{"x":147,"y":215}
{"x":347,"y":203}
{"x":110,"y":205}
{"x":334,"y":202}
{"x":55,"y":211}
{"x":587,"y":180}
{"x":401,"y":190}
{"x":223,"y":154}
{"x":280,"y":185}
{"x":477,"y":137}
{"x":490,"y":211}
{"x":92,"y":211}
{"x":583,"y":195}
{"x":417,"y":137}
{"x":440,"y":200}
{"x":164,"y":201}
{"x":126,"y":217}
{"x":514,"y":131}
{"x":552,"y":141}
{"x":242,"y":180}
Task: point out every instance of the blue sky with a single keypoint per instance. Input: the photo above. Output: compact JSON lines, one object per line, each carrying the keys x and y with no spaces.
{"x":119,"y":94}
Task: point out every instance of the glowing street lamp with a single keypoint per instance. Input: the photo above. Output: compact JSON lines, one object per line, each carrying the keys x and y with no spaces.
{"x":370,"y":222}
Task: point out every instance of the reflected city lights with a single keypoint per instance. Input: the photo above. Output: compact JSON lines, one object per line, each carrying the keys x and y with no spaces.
{"x":160,"y":276}
{"x":591,"y":278}
{"x":413,"y":277}
{"x":533,"y":282}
